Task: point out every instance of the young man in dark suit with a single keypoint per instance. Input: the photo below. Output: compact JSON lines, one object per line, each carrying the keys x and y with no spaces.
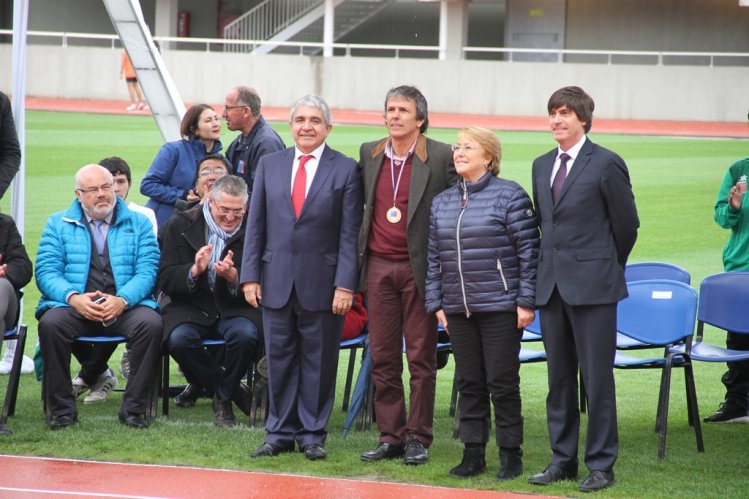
{"x":300,"y":264}
{"x":589,"y":223}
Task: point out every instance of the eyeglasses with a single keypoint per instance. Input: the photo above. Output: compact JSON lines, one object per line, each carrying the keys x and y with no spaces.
{"x":229,"y":108}
{"x":465,"y":148}
{"x":219,"y":172}
{"x":226,"y":211}
{"x":94,"y":190}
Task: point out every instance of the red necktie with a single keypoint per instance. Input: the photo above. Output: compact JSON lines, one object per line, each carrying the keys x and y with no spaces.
{"x":298,"y":192}
{"x":561,"y":176}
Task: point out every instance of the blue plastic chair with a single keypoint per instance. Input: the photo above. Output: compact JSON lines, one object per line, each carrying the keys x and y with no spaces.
{"x":354,"y":344}
{"x":164,"y":372}
{"x":723,"y":301}
{"x":151,"y":410}
{"x":644,"y":271}
{"x":661,"y":313}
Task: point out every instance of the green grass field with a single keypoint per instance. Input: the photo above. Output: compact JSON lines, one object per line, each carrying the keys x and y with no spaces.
{"x":675,"y":181}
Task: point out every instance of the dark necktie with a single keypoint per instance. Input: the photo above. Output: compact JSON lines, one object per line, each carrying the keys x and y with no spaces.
{"x":298,"y":192}
{"x":99,"y":238}
{"x":561,"y":176}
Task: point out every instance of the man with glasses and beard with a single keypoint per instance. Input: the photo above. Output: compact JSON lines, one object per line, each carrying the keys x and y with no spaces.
{"x":96,"y":269}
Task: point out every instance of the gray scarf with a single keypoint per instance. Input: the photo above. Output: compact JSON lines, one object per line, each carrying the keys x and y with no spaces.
{"x":217,"y":237}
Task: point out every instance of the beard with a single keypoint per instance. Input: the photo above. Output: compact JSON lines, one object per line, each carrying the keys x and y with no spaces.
{"x":100,"y":212}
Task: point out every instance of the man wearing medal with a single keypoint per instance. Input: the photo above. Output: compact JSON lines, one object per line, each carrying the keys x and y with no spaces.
{"x":402,"y":174}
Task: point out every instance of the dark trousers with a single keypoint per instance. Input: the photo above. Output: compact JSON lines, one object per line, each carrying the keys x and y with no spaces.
{"x":199,"y":367}
{"x":584,"y":336}
{"x":396,"y":311}
{"x":302,"y":353}
{"x":736,"y":379}
{"x":486,"y":348}
{"x":58,"y":327}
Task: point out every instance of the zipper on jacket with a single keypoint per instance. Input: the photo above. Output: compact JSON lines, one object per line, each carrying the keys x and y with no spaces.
{"x":463,"y":204}
{"x":502,"y":273}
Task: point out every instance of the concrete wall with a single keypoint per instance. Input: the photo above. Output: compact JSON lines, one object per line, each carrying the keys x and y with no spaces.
{"x":500,"y":88}
{"x":676,"y":25}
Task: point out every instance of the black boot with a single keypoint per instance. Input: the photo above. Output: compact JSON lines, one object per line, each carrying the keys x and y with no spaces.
{"x":473,"y":463}
{"x":510,"y":463}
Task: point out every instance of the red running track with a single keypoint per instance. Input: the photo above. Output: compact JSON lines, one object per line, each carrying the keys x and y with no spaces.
{"x":35,"y":477}
{"x":440,"y":120}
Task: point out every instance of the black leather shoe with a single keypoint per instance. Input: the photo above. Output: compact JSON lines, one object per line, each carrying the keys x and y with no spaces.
{"x":243,"y":398}
{"x":415,"y":452}
{"x":597,"y":480}
{"x":315,"y":451}
{"x":188,"y":397}
{"x":383,"y":450}
{"x":63,"y":421}
{"x":133,"y":420}
{"x":4,"y":430}
{"x":552,"y":474}
{"x":223,"y":415}
{"x":269,"y":450}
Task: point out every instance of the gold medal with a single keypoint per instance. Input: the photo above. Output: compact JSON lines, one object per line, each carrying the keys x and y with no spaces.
{"x":393,"y":215}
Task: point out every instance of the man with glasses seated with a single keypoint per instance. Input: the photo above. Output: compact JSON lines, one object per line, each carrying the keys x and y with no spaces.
{"x":95,"y":376}
{"x":242,"y":113}
{"x":96,"y":269}
{"x":210,"y":169}
{"x":199,"y":270}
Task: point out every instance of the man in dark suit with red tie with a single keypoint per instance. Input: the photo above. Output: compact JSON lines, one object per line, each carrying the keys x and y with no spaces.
{"x":300,"y":264}
{"x":589,"y":223}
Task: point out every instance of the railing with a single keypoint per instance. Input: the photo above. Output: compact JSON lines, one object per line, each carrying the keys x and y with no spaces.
{"x":396,"y":51}
{"x":267,"y":19}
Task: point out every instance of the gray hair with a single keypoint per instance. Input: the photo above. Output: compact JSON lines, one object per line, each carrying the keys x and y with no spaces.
{"x":231,"y":185}
{"x":249,"y":97}
{"x":312,"y":101}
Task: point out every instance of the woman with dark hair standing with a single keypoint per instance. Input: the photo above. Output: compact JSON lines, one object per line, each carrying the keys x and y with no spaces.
{"x":481,"y":280}
{"x":172,"y":172}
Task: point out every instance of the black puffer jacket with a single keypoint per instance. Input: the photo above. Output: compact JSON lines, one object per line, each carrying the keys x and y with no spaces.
{"x":483,"y":248}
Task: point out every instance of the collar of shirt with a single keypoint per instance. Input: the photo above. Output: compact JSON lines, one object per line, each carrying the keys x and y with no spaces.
{"x":310,"y":166}
{"x":107,"y":219}
{"x":572,"y":152}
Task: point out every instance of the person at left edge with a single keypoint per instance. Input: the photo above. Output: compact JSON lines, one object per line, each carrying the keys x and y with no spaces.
{"x":172,"y":172}
{"x":300,"y":263}
{"x":96,"y":249}
{"x":10,"y":162}
{"x":15,"y":273}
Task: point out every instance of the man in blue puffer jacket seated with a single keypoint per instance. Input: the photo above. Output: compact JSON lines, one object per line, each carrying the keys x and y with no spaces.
{"x":96,"y":269}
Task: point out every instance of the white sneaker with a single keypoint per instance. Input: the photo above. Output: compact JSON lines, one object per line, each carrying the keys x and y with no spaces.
{"x":5,"y":365}
{"x":27,"y":365}
{"x":79,"y":386}
{"x":131,"y":107}
{"x":106,"y":382}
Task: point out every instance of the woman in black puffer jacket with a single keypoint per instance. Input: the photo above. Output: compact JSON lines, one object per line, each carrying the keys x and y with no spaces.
{"x":481,"y":281}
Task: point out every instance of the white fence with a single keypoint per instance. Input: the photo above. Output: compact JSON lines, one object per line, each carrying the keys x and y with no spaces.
{"x":690,"y":92}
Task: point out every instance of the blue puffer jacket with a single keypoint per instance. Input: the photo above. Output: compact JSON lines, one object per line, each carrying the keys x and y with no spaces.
{"x":172,"y":175}
{"x":483,"y":248}
{"x":64,"y":257}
